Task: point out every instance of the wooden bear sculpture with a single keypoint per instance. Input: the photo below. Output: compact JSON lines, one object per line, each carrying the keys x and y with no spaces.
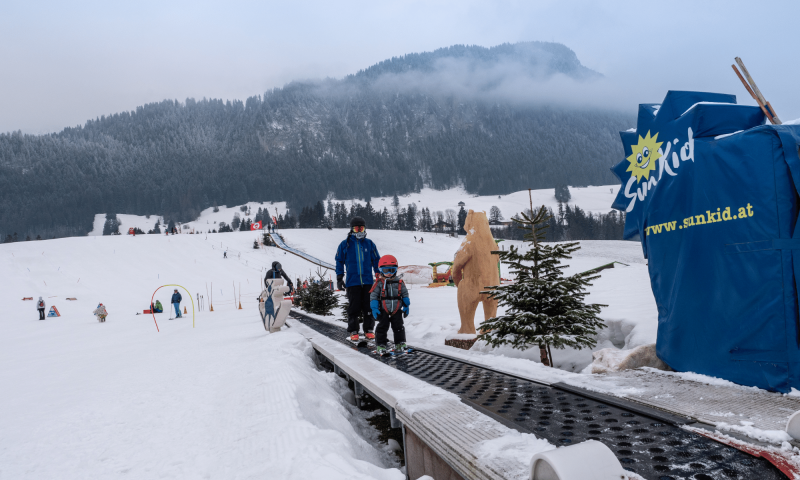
{"x":474,"y":269}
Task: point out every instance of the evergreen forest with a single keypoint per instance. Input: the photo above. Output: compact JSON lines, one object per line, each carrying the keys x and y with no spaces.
{"x":357,"y":137}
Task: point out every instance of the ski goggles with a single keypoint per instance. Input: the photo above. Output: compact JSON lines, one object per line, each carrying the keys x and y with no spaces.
{"x":359,"y":229}
{"x":388,"y":270}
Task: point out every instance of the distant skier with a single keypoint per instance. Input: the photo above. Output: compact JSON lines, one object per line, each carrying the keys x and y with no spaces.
{"x":359,"y":256}
{"x":277,"y":272}
{"x":225,"y":254}
{"x":389,"y":302}
{"x":176,"y":302}
{"x":40,"y":306}
{"x":101,"y":313}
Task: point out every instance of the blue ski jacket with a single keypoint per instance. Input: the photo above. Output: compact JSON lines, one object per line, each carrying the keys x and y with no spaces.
{"x":360,"y":258}
{"x":176,"y":297}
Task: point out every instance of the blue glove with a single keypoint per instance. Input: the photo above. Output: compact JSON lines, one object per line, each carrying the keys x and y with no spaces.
{"x":407,"y":302}
{"x":373,"y":304}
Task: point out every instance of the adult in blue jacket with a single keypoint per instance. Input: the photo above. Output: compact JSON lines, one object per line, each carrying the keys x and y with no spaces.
{"x":359,"y":257}
{"x":176,"y":302}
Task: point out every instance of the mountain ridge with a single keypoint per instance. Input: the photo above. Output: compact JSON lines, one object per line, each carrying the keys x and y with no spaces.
{"x":308,"y":140}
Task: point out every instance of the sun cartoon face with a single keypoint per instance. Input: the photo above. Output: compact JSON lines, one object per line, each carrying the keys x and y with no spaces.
{"x":644,"y":156}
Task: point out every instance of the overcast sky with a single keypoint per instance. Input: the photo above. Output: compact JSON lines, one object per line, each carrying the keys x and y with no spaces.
{"x":63,"y":62}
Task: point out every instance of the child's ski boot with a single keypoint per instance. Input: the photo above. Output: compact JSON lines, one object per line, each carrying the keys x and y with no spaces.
{"x":400,"y":349}
{"x":370,"y":338}
{"x":381,"y":351}
{"x":354,"y":338}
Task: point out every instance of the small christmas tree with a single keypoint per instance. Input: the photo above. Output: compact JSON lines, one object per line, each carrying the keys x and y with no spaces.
{"x":318,"y":298}
{"x":544,"y":307}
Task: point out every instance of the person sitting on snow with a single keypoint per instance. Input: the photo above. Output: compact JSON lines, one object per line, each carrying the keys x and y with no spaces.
{"x":389,"y":302}
{"x":101,"y":312}
{"x":277,"y":272}
{"x":158,"y":308}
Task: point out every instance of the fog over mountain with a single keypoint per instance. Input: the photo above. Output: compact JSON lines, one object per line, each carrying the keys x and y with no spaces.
{"x":494,"y":120}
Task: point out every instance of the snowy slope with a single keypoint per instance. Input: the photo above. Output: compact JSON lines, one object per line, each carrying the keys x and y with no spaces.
{"x":207,"y":221}
{"x":82,"y":399}
{"x":595,"y":199}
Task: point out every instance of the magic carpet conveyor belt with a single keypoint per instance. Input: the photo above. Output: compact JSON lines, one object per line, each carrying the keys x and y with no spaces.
{"x":646,"y":441}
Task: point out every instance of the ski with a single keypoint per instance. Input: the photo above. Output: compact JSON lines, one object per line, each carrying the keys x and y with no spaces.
{"x":399,"y":353}
{"x":360,"y":343}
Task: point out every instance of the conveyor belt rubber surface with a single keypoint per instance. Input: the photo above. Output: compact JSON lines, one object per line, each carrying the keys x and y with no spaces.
{"x":647,"y":442}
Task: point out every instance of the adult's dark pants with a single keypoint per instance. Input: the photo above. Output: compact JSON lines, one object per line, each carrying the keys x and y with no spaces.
{"x":41,"y":313}
{"x":358,"y":297}
{"x":396,"y":322}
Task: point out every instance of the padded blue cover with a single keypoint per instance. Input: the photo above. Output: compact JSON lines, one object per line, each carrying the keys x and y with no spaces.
{"x":711,"y":192}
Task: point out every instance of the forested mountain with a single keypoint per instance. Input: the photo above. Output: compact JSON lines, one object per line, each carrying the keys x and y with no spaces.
{"x":389,"y":129}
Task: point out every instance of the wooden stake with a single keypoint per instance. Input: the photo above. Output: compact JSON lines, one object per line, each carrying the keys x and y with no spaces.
{"x":752,"y":94}
{"x":773,"y":117}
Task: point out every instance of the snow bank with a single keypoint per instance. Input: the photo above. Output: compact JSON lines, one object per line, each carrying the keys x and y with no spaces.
{"x":416,"y":274}
{"x":613,"y":360}
{"x":514,"y":448}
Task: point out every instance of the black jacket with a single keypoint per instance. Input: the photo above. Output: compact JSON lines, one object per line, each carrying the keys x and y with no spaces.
{"x":272,"y":273}
{"x":176,"y":297}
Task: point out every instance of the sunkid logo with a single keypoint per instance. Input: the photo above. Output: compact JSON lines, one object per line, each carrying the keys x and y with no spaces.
{"x":643,"y":158}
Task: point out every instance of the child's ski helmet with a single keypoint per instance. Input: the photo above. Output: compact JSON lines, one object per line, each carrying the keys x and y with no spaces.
{"x":387,"y":261}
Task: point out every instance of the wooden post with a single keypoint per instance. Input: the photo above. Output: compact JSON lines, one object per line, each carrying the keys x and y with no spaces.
{"x":752,"y":94}
{"x":773,"y":116}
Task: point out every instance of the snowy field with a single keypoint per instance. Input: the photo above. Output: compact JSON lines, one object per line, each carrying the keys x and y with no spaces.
{"x":82,"y":399}
{"x":596,"y":199}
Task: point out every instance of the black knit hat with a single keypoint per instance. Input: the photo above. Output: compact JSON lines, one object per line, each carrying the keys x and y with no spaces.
{"x":357,"y":222}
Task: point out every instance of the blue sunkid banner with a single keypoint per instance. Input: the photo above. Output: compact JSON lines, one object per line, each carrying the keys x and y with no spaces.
{"x":712,"y":193}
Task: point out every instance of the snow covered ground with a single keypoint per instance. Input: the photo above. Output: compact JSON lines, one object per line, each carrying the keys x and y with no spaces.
{"x":81,"y":399}
{"x":596,"y":199}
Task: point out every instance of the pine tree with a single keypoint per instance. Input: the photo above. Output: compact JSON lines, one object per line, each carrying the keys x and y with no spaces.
{"x":543,"y":307}
{"x":562,"y":193}
{"x":318,"y":298}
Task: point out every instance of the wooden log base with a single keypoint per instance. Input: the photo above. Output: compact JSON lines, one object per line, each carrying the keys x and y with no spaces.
{"x":459,"y":343}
